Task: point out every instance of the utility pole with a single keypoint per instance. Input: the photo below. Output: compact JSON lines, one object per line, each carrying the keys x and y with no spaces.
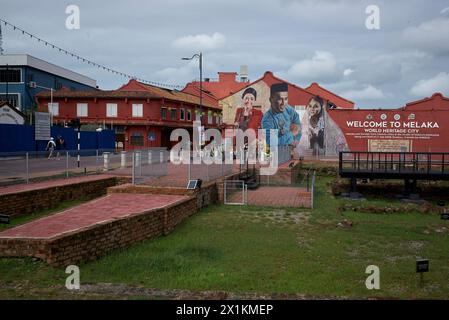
{"x":7,"y":83}
{"x":34,"y":85}
{"x":78,"y":124}
{"x":201,"y":83}
{"x":200,"y":58}
{"x":1,"y":40}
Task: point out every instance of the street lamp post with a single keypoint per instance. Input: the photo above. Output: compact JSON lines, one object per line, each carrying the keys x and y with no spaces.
{"x":34,"y":85}
{"x":200,"y":58}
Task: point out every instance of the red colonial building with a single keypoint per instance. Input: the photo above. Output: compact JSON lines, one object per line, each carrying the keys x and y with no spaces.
{"x":142,"y":115}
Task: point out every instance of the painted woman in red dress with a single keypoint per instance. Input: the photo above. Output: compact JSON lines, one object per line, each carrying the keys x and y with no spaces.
{"x":246,"y":116}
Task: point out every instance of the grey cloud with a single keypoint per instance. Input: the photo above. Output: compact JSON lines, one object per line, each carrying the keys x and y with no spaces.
{"x":201,"y":42}
{"x":430,"y":36}
{"x":137,"y":37}
{"x":426,"y":87}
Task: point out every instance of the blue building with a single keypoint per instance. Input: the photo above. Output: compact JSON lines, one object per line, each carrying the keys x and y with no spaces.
{"x":22,"y":75}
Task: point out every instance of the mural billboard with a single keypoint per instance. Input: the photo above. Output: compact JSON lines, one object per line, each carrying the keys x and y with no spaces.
{"x":307,"y":128}
{"x":309,"y":125}
{"x":320,"y":135}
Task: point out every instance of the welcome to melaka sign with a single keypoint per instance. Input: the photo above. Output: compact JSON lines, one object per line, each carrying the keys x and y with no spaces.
{"x":394,"y":130}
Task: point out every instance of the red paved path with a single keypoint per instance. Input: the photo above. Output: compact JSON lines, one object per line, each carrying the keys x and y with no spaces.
{"x":104,"y":209}
{"x":276,"y":197}
{"x":51,"y":183}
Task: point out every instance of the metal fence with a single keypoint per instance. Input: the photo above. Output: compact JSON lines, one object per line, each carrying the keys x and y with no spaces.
{"x":17,"y":167}
{"x":312,"y":189}
{"x":235,"y":192}
{"x":394,"y":162}
{"x":153,"y":167}
{"x":149,"y":163}
{"x":148,"y":166}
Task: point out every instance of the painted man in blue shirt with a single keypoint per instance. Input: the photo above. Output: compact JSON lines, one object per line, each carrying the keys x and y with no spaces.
{"x":281,"y":116}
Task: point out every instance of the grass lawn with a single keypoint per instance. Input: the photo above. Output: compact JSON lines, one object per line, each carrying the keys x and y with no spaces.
{"x":266,"y":250}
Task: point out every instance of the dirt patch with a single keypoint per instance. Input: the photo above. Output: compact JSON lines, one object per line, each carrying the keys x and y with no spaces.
{"x":394,"y":259}
{"x":178,"y":294}
{"x":426,"y":208}
{"x":436,"y":229}
{"x":415,"y":245}
{"x":279,"y":216}
{"x":119,"y":291}
{"x":381,"y":189}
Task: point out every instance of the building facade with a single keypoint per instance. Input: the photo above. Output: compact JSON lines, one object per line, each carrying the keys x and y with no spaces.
{"x":19,"y":73}
{"x":141,"y":115}
{"x":10,"y":115}
{"x":144,"y":116}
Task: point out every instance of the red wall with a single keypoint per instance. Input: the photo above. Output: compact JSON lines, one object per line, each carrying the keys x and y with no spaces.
{"x":436,"y":102}
{"x":143,"y":131}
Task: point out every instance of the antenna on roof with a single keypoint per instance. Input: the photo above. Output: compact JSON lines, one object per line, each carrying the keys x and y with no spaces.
{"x":1,"y":40}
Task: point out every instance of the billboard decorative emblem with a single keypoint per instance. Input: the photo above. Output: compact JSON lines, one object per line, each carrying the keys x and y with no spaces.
{"x":369,"y":117}
{"x":411,"y":116}
{"x":397,"y":117}
{"x":383,"y":116}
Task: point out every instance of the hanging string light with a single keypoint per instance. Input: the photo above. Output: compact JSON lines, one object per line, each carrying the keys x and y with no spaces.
{"x":85,"y":60}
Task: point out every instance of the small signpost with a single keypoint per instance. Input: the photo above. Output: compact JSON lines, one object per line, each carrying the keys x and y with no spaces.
{"x":422,"y":266}
{"x":42,"y":126}
{"x":4,"y":219}
{"x":445,"y":215}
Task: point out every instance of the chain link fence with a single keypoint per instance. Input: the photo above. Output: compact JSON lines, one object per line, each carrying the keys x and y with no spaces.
{"x":153,"y":167}
{"x":20,"y":167}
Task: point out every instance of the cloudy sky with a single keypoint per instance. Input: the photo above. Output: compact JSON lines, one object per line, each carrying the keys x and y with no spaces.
{"x":302,"y":41}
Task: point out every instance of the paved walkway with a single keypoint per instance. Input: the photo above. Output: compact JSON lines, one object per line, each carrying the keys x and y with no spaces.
{"x":51,"y":183}
{"x":276,"y":197}
{"x":104,"y":209}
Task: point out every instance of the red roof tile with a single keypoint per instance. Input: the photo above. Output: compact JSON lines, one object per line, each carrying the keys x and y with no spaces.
{"x":339,"y":101}
{"x":133,"y":89}
{"x":226,"y":84}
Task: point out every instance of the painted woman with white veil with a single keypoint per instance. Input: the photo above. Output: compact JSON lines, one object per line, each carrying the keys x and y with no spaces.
{"x":320,"y":135}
